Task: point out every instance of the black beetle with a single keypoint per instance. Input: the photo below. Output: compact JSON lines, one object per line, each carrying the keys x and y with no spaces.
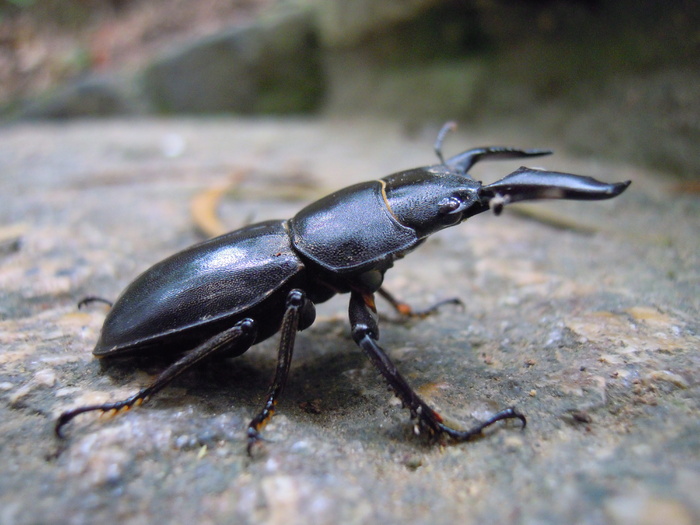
{"x":226,"y":294}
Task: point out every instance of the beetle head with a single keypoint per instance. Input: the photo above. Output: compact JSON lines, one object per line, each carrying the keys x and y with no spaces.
{"x":430,"y":199}
{"x":525,"y":183}
{"x":436,"y":197}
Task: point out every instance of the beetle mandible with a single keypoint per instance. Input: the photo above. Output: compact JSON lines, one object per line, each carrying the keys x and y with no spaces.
{"x":220,"y":297}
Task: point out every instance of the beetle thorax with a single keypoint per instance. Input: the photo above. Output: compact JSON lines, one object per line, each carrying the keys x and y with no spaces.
{"x":351,"y":230}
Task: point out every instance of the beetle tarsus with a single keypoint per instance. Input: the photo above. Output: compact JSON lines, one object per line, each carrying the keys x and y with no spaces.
{"x":406,"y":310}
{"x":466,"y":435}
{"x":255,"y":442}
{"x":244,"y":330}
{"x":93,"y":299}
{"x":115,"y":408}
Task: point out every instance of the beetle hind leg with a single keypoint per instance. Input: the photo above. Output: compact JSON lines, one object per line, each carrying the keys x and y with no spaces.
{"x":365,"y":332}
{"x":241,"y":334}
{"x":406,"y":310}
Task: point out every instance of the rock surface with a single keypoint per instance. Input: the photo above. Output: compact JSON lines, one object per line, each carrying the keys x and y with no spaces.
{"x":593,"y":335}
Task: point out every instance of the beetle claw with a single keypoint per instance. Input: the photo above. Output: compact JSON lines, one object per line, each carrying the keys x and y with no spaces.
{"x":256,"y":443}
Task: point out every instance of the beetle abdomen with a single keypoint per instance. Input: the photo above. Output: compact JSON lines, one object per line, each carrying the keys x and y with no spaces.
{"x":205,"y":284}
{"x":350,"y":230}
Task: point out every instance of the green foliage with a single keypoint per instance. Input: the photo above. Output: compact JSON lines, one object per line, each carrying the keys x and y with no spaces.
{"x":65,"y":13}
{"x":16,"y":3}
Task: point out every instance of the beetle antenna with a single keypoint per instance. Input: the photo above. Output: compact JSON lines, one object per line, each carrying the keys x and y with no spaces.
{"x":446,"y":128}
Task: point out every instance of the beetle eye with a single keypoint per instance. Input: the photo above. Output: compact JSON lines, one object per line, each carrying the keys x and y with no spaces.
{"x":449,"y":205}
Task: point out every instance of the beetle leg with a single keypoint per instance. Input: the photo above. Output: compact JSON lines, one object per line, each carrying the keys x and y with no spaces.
{"x":407,"y":310}
{"x":365,"y":332}
{"x":297,"y":307}
{"x":242,"y":333}
{"x":94,"y":299}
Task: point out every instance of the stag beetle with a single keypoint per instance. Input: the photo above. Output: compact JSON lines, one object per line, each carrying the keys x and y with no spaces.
{"x":220,"y":297}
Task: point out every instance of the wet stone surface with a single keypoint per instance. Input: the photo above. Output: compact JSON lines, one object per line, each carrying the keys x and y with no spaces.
{"x":593,"y":335}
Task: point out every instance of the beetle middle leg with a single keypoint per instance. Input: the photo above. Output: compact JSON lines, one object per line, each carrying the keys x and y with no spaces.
{"x":365,"y":332}
{"x":94,"y":299}
{"x":407,"y":310}
{"x":299,"y":314}
{"x":242,"y":334}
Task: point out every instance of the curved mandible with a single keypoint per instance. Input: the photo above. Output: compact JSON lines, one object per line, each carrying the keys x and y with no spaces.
{"x":465,"y":160}
{"x":529,"y":184}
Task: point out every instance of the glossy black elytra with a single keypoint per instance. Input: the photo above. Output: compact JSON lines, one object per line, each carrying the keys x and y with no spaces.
{"x":226,"y":294}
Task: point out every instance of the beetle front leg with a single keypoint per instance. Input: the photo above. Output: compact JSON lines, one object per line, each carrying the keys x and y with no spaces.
{"x":241,"y":334}
{"x":365,"y":332}
{"x":298,"y":309}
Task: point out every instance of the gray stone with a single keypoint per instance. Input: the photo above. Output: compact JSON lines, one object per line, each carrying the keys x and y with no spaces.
{"x":271,"y":66}
{"x":90,"y":96}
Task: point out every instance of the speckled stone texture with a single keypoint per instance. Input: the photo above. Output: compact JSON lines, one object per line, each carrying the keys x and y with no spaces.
{"x":591,"y":332}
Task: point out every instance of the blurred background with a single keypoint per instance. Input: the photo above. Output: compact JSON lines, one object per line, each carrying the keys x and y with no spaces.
{"x":615,"y":79}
